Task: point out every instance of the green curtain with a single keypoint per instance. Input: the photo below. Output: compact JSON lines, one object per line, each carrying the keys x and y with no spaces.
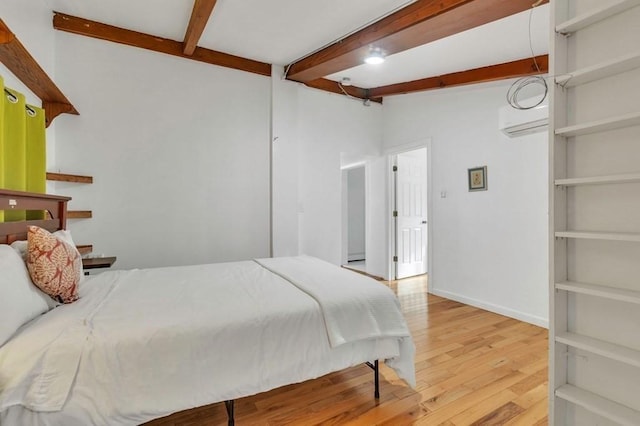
{"x":22,"y":149}
{"x":36,"y":155}
{"x":2,"y":142}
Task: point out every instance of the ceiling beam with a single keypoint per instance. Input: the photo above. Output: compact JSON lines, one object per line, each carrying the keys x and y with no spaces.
{"x":201,"y":13}
{"x":19,"y":61}
{"x":520,"y":68}
{"x":419,"y":23}
{"x":6,"y":36}
{"x":101,"y":31}
{"x":334,"y":87}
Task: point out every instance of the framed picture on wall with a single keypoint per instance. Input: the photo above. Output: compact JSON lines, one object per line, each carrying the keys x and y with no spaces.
{"x":478,"y":179}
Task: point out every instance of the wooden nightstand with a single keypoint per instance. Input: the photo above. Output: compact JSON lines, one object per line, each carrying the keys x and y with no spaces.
{"x":97,"y":263}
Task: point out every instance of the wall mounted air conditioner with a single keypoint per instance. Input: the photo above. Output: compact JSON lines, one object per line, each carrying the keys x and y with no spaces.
{"x":518,"y":122}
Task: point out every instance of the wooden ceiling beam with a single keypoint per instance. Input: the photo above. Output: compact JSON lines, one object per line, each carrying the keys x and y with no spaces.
{"x":200,"y":15}
{"x":519,"y":68}
{"x":6,"y":36}
{"x":419,"y":23}
{"x":85,"y":27}
{"x":334,"y":87}
{"x":20,"y":62}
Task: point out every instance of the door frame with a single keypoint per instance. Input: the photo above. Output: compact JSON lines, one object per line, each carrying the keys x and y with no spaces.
{"x":390,"y":154}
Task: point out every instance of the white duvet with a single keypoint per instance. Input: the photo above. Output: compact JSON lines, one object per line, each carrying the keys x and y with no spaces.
{"x":142,"y":344}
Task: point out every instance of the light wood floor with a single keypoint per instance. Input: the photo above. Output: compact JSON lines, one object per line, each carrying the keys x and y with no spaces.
{"x":472,"y":367}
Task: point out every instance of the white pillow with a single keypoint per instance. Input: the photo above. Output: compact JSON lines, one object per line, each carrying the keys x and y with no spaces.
{"x":63,"y":234}
{"x":21,"y":247}
{"x":20,"y":299}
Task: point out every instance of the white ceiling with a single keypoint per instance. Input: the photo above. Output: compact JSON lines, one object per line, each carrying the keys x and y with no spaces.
{"x":282,"y":31}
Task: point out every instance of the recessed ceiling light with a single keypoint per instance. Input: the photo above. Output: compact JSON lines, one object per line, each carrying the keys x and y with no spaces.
{"x":375,"y":56}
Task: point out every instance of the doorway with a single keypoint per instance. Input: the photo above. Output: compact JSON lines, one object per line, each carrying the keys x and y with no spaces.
{"x":354,"y":218}
{"x":410,"y":218}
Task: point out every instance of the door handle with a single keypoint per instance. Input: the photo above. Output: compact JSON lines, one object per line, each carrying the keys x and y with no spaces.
{"x":424,"y":222}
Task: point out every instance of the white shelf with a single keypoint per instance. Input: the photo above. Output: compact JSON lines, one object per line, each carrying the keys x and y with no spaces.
{"x":619,"y":294}
{"x":610,"y":123}
{"x":589,"y":235}
{"x":599,"y":71}
{"x":588,"y":29}
{"x":599,"y":180}
{"x":600,"y":347}
{"x":595,"y":15}
{"x":599,"y":405}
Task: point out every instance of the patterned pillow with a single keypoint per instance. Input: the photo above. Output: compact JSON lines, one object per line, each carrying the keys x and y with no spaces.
{"x":54,"y":265}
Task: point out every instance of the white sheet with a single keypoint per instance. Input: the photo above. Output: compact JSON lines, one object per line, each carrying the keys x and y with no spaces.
{"x":142,"y":344}
{"x":355,"y":307}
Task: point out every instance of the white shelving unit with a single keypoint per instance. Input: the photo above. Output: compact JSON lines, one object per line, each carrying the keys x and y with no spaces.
{"x":595,"y":15}
{"x":599,"y":180}
{"x":610,"y":123}
{"x":598,"y":405}
{"x":600,"y":347}
{"x":620,"y":294}
{"x":599,"y":235}
{"x":599,"y":71}
{"x":594,"y":361}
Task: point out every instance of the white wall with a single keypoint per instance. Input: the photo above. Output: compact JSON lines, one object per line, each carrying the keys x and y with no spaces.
{"x":377,"y":216}
{"x":315,"y":134}
{"x":356,"y":213}
{"x":284,"y":164}
{"x":333,"y":132}
{"x":32,"y":26}
{"x":31,"y":23}
{"x":489,"y":248}
{"x":179,"y":151}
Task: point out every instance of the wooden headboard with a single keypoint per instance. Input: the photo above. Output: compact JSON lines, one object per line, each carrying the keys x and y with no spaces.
{"x":55,"y":205}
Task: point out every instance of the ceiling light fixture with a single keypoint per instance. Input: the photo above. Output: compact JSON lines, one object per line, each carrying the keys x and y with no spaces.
{"x":375,"y":56}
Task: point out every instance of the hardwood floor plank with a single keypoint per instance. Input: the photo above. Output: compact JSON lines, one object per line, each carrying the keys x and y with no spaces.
{"x":495,"y":410}
{"x":498,"y":416}
{"x":530,"y":382}
{"x":448,"y":411}
{"x":535,"y":395}
{"x":386,"y":411}
{"x":472,"y":367}
{"x":538,"y":413}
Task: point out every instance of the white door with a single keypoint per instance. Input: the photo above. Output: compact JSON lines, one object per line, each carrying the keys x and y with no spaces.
{"x":411,"y":207}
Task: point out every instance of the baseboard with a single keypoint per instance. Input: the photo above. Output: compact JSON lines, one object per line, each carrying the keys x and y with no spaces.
{"x":511,"y":313}
{"x":354,"y":257}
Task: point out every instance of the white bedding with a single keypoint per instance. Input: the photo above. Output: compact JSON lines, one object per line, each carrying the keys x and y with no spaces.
{"x":142,"y":344}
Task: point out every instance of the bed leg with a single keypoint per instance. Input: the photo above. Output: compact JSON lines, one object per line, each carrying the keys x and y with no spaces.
{"x":376,"y":378}
{"x":230,"y":414}
{"x":376,"y":372}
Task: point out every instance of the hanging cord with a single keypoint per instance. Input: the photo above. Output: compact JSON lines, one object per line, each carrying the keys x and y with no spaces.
{"x":286,"y":71}
{"x":521,"y":83}
{"x":365,"y":102}
{"x":533,"y":55}
{"x":517,"y":86}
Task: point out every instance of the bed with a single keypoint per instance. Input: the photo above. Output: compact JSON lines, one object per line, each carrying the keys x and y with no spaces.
{"x":141,"y":344}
